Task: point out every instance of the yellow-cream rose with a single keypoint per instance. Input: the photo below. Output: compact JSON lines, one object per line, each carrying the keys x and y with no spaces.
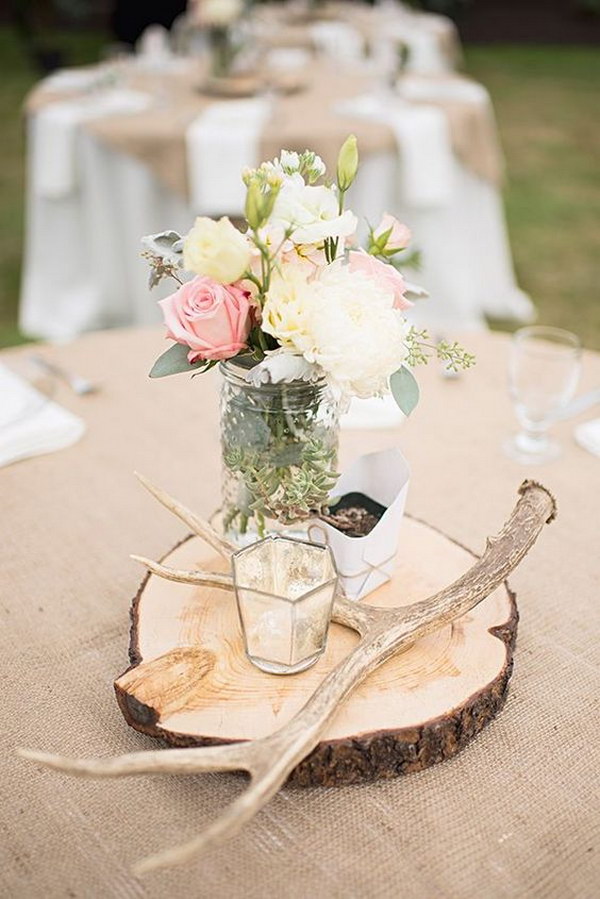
{"x":288,"y":308}
{"x":216,"y":250}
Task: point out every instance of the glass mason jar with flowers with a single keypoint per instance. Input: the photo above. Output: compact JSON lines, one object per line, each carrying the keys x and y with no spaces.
{"x":299,"y":321}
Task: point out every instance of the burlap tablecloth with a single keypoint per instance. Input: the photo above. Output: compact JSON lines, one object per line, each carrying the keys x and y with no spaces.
{"x":515,"y":814}
{"x":306,"y":118}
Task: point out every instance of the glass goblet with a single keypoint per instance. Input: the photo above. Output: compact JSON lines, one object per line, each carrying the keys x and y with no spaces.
{"x":543,"y":372}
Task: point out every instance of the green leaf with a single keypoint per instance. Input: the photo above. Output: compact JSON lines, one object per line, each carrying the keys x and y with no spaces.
{"x":405,"y":389}
{"x":173,"y":361}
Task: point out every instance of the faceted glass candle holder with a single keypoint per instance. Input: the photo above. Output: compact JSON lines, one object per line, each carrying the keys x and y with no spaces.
{"x":285,"y":590}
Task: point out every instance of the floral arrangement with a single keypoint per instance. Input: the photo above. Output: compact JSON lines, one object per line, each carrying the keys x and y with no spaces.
{"x":218,"y":13}
{"x":295,"y":301}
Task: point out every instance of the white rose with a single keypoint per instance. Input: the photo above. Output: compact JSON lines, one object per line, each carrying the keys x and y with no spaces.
{"x":312,"y":211}
{"x":288,"y":309}
{"x":216,"y":250}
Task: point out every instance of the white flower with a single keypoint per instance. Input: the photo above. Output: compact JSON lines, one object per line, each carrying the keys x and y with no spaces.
{"x":289,"y":161}
{"x":220,"y":13}
{"x":312,"y":211}
{"x":282,"y":366}
{"x":288,"y":308}
{"x":342,"y":321}
{"x":216,"y":250}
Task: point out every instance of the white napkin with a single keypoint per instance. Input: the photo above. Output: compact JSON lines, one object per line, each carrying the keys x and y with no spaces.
{"x":431,"y":90}
{"x":30,"y":424}
{"x":338,"y":40}
{"x":153,"y":52}
{"x":380,"y":412}
{"x":286,"y":59}
{"x":220,"y":143}
{"x":74,"y":79}
{"x":423,"y":136}
{"x":54,"y":170}
{"x":587,"y":435}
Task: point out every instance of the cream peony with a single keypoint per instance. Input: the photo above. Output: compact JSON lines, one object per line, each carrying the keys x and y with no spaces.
{"x":219,"y":13}
{"x":216,"y":250}
{"x":344,"y":322}
{"x":312,"y":211}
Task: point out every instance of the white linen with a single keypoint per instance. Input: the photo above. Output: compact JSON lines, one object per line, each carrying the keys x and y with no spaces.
{"x":82,"y":264}
{"x":74,"y":79}
{"x":153,"y":52}
{"x":54,"y":171}
{"x":30,"y":424}
{"x":378,"y":412}
{"x":466,"y":265}
{"x":587,"y":435}
{"x":83,"y":269}
{"x":461,"y":90}
{"x":424,"y":143}
{"x":338,"y":40}
{"x":220,"y":143}
{"x":421,"y":33}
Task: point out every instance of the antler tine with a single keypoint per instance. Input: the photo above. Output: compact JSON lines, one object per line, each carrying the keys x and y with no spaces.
{"x":345,"y":612}
{"x":270,"y":760}
{"x":197,"y":525}
{"x":194,"y":576}
{"x":229,"y":757}
{"x":229,"y":822}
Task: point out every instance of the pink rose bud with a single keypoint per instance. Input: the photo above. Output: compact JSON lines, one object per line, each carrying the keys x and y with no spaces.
{"x":400,"y":235}
{"x":383,"y":273}
{"x":212,"y":319}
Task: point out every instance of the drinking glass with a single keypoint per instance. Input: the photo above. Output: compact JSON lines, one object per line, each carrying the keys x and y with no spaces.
{"x":543,"y":372}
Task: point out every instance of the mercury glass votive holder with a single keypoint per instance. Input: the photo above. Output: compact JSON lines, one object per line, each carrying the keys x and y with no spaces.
{"x":285,"y":590}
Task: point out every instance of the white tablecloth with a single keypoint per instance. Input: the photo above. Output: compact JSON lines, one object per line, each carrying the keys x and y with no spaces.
{"x":83,"y":270}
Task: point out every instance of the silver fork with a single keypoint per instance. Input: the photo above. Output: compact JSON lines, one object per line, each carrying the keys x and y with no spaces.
{"x":80,"y":386}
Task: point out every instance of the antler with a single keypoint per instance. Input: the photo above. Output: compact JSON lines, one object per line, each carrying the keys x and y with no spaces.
{"x":383,"y":632}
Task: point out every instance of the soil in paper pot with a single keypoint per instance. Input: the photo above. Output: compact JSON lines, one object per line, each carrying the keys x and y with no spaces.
{"x":354,"y":514}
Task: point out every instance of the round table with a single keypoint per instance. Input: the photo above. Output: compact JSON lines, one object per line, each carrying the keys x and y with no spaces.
{"x":514,"y":815}
{"x":133,"y":174}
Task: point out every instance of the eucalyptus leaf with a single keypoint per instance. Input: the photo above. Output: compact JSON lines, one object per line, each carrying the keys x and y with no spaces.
{"x":405,"y":389}
{"x":174,"y":361}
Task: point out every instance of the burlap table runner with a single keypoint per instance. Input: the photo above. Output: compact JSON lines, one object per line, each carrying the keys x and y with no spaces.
{"x":514,"y":815}
{"x":307,"y":118}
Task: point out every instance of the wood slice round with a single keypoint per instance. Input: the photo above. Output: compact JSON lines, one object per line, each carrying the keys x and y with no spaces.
{"x":191,"y":684}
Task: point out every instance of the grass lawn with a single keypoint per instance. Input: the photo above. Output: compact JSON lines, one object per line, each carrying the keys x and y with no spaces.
{"x":546,"y":102}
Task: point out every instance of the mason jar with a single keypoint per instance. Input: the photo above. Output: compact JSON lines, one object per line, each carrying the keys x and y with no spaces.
{"x":279,"y":448}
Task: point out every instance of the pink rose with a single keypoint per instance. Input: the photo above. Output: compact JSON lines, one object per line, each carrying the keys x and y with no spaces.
{"x":383,"y":273}
{"x":400,"y":235}
{"x":213,"y":319}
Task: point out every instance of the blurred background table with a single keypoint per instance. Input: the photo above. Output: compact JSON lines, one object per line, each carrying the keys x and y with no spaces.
{"x":117,"y":162}
{"x":515,"y":815}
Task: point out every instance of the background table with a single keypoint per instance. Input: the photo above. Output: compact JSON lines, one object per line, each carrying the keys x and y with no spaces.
{"x":82,"y":267}
{"x":516,"y":814}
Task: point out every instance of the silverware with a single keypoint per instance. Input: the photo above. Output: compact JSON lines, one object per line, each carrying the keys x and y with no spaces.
{"x":80,"y":386}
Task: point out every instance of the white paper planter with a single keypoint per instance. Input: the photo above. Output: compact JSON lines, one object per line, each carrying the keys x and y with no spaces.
{"x":364,"y":563}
